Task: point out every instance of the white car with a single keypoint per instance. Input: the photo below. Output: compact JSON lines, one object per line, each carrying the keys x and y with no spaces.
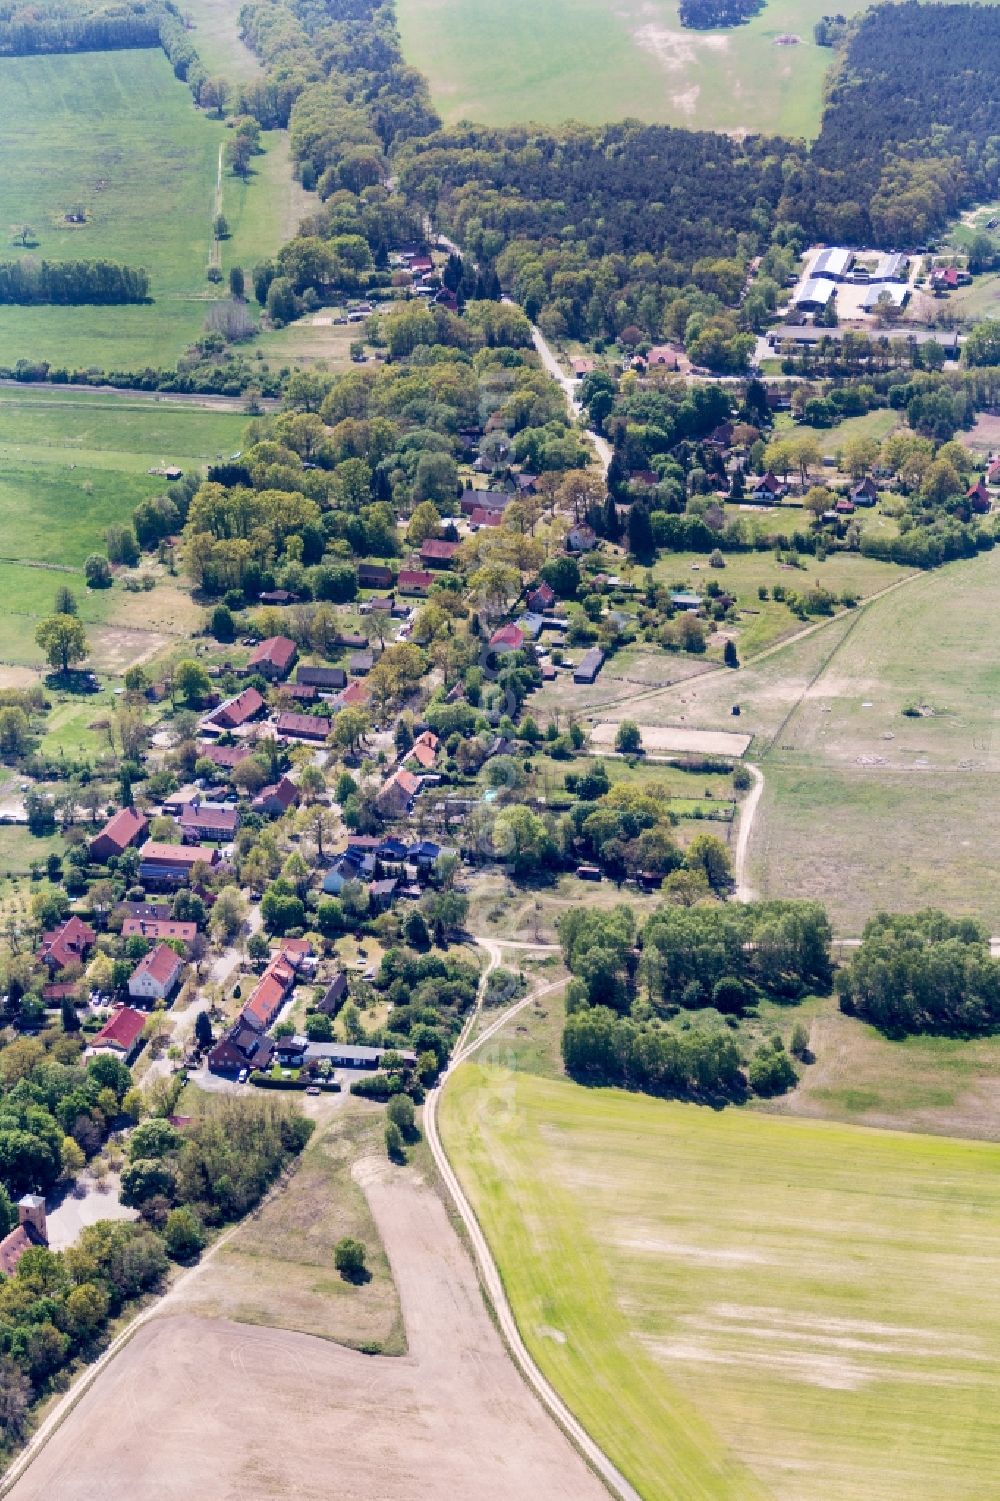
{"x":243,"y":1075}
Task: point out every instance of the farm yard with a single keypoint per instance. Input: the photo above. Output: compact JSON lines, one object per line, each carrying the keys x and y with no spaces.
{"x":114,"y":134}
{"x":742,"y":1306}
{"x":596,"y":62}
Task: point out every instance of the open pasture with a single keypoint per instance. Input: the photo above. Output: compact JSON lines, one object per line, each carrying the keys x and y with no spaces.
{"x":876,"y":736}
{"x":596,"y":61}
{"x":114,"y":134}
{"x":738,"y":1306}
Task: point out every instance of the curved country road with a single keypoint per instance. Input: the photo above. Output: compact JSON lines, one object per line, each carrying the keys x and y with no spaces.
{"x":492,"y":1281}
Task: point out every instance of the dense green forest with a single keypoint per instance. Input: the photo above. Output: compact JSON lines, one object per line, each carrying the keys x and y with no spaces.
{"x":910,"y":129}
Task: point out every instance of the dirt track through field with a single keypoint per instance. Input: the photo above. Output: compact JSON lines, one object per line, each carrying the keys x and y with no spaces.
{"x":208,"y":1410}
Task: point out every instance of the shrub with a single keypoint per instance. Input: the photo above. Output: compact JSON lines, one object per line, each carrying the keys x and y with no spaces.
{"x":349,"y":1259}
{"x":771,"y":1071}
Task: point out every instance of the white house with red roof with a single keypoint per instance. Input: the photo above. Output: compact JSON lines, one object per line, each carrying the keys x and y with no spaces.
{"x":156,"y":975}
{"x":121,"y":1034}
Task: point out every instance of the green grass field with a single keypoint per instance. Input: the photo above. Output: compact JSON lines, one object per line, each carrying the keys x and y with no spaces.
{"x":117,"y":134}
{"x":71,"y":464}
{"x":595,"y":61}
{"x":218,"y":41}
{"x":865,"y":806}
{"x":739,"y":1306}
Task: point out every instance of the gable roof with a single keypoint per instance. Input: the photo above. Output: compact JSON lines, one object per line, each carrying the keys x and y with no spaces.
{"x":195,"y":816}
{"x":284,"y":792}
{"x":125,"y":826}
{"x":355,"y":695}
{"x":161,"y":964}
{"x":402,"y":780}
{"x":236,"y":711}
{"x":414,"y":578}
{"x":68,"y":943}
{"x":311,"y":726}
{"x":438,"y":549}
{"x":508,"y":635}
{"x":275,"y":651}
{"x":158,"y":927}
{"x":155,"y":853}
{"x":224,"y":755}
{"x":122,"y":1030}
{"x":14,"y":1245}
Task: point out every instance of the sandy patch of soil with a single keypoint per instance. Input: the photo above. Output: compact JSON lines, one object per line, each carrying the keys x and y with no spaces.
{"x":676,"y":50}
{"x":211,"y":1409}
{"x":116,"y":647}
{"x":675,"y":738}
{"x":18,"y":677}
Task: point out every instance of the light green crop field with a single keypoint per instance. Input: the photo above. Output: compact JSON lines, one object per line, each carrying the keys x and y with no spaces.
{"x":594,"y":60}
{"x":739,"y":1306}
{"x":116,"y":134}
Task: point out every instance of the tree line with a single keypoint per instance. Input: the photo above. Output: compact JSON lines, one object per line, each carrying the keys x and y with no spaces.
{"x":71,"y":282}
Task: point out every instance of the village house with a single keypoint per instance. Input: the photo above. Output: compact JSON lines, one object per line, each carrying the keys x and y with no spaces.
{"x":234,"y":713}
{"x":663,"y":357}
{"x":979,"y":498}
{"x":542,"y":597}
{"x":31,"y":1230}
{"x":374,"y":576}
{"x":334,"y":996}
{"x":276,"y":799}
{"x":121,"y":1034}
{"x":70,"y":943}
{"x":768,"y":490}
{"x":437,"y":553}
{"x":225,"y":757}
{"x":481,"y":516}
{"x":302,"y":693}
{"x":273,"y":658}
{"x":270,"y":993}
{"x":865,"y":493}
{"x":355,"y":696}
{"x":243,"y":1047}
{"x":425,"y":748}
{"x":581,"y":538}
{"x":163,"y":928}
{"x":395,"y":796}
{"x":126,"y":828}
{"x":484,"y":500}
{"x":312,"y":727}
{"x":507,"y":638}
{"x":414,"y":581}
{"x":200,"y":820}
{"x":156,"y":975}
{"x":172,"y":864}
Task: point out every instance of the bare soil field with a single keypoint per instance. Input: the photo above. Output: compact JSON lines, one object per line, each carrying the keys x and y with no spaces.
{"x":676,"y":738}
{"x":199,"y":1409}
